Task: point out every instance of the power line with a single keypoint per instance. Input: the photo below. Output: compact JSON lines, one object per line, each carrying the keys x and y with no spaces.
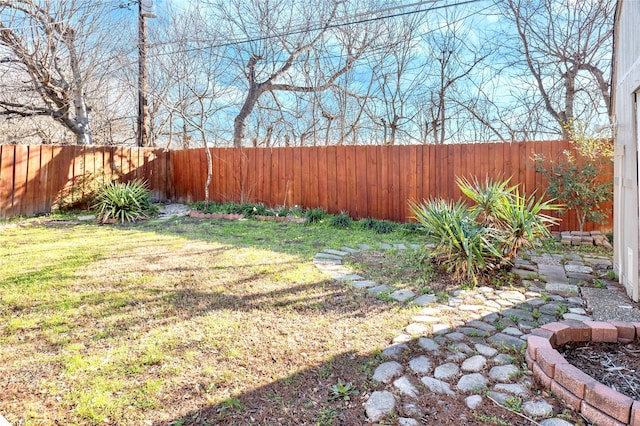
{"x":318,"y":28}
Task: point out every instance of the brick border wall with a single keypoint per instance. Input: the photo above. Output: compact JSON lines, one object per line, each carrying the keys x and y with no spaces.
{"x":596,"y":402}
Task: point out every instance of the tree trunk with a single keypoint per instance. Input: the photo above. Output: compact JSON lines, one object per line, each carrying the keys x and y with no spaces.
{"x":239,"y":122}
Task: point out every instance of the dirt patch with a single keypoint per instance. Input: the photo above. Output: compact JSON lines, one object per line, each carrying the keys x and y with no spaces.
{"x":613,"y":364}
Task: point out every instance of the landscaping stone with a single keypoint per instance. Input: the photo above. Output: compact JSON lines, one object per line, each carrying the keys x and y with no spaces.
{"x":562,"y":289}
{"x":387,"y":371}
{"x":446,"y":371}
{"x":474,"y":364}
{"x":379,"y":405}
{"x":437,"y":386}
{"x":402,"y":295}
{"x":379,"y":289}
{"x":425,"y":299}
{"x":406,"y":421}
{"x":472,"y":382}
{"x":503,"y":373}
{"x":473,"y":401}
{"x":537,"y":409}
{"x":417,"y":329}
{"x":428,"y":344}
{"x":420,"y":365}
{"x":395,"y":351}
{"x":403,"y":384}
{"x":502,"y":359}
{"x":500,"y":340}
{"x":363,"y":284}
{"x":555,"y":422}
{"x":485,"y":350}
{"x":512,"y":388}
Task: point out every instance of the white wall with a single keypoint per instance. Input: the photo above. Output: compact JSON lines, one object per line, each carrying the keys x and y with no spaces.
{"x":626,"y":87}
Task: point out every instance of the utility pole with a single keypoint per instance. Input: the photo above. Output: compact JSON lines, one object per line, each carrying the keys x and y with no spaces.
{"x":145,"y":10}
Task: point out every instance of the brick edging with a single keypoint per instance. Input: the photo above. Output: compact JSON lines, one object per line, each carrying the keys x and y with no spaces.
{"x":596,"y":402}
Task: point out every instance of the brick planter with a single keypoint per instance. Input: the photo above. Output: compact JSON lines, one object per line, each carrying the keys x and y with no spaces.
{"x":598,"y":403}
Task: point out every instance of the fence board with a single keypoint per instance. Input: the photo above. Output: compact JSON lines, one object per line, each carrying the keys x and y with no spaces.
{"x":366,"y":181}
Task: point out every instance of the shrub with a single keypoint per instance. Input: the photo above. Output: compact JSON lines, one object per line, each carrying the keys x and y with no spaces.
{"x":486,"y":237}
{"x":342,"y":220}
{"x":315,"y":215}
{"x":124,"y":202}
{"x":577,"y":181}
{"x":379,"y":226}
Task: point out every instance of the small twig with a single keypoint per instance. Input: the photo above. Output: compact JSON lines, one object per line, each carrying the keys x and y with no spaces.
{"x":514,"y":412}
{"x":621,"y":375}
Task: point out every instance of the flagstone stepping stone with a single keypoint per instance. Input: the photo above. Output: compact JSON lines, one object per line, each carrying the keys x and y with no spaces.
{"x":579,"y":311}
{"x":512,"y":295}
{"x":502,"y":359}
{"x":473,"y":401}
{"x":474,"y":364}
{"x":377,"y":290}
{"x":425,"y":299}
{"x":417,"y":329}
{"x":461,"y":347}
{"x":446,"y":371}
{"x":428,"y":344}
{"x":336,"y":252}
{"x":472,"y":382}
{"x":327,"y":256}
{"x":402,"y":338}
{"x":415,"y":246}
{"x":406,"y":421}
{"x":400,"y":246}
{"x":320,"y":261}
{"x":549,"y":308}
{"x":402,"y":295}
{"x":518,"y":314}
{"x":405,"y":387}
{"x":500,"y":340}
{"x":385,"y":246}
{"x":577,"y":317}
{"x":379,"y":405}
{"x":365,"y":247}
{"x":349,"y":250}
{"x":420,"y":365}
{"x":512,"y":388}
{"x":437,"y":386}
{"x":481,"y":325}
{"x":455,"y":336}
{"x":512,"y":331}
{"x":562,"y":289}
{"x":537,"y":409}
{"x":500,"y":397}
{"x":503,"y":373}
{"x":578,"y":267}
{"x":387,"y":371}
{"x":440,"y":328}
{"x":363,"y":284}
{"x":395,"y":350}
{"x":473,"y":332}
{"x":485,"y":350}
{"x":350,"y":277}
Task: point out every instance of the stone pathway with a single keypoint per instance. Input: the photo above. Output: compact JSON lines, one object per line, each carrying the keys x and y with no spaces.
{"x":472,"y":345}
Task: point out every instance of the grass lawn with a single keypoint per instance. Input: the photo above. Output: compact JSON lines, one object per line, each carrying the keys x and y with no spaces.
{"x":186,"y":321}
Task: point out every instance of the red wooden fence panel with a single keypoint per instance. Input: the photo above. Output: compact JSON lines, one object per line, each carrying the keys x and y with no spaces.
{"x":366,"y":181}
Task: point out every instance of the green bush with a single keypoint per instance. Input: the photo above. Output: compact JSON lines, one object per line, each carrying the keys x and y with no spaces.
{"x":124,"y":202}
{"x":484,"y":238}
{"x":379,"y":226}
{"x":342,"y":220}
{"x":315,"y":215}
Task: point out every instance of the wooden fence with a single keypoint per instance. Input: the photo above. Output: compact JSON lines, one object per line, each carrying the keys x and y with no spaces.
{"x":366,"y":181}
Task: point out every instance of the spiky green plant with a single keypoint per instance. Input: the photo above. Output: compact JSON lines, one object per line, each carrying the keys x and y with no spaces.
{"x":124,"y":202}
{"x":462,"y":246}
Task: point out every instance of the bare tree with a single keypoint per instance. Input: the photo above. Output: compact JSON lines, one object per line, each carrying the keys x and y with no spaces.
{"x":565,"y":47}
{"x":284,"y":37}
{"x":43,"y":59}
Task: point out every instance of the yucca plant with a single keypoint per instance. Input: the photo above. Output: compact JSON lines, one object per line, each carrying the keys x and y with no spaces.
{"x":462,"y":246}
{"x":488,"y":197}
{"x":524,"y":222}
{"x":124,"y":202}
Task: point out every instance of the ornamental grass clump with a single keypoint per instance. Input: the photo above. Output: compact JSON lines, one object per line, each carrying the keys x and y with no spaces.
{"x":474,"y":242}
{"x":124,"y":202}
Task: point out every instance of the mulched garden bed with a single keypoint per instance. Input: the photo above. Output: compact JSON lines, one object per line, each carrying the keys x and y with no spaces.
{"x":613,"y":364}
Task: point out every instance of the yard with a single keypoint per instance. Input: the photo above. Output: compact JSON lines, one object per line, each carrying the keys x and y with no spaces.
{"x":183,"y":322}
